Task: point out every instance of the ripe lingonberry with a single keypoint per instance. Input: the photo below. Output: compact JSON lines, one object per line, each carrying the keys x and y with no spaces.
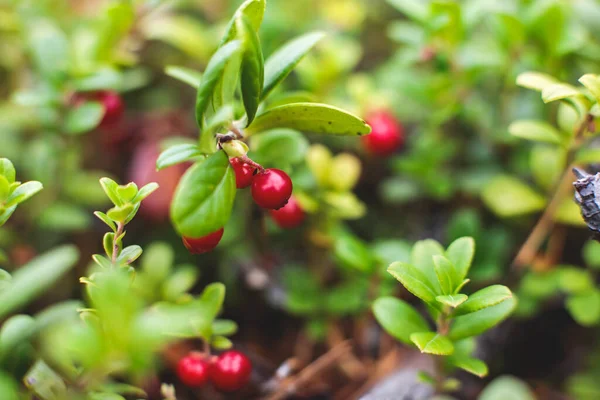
{"x":193,"y":370}
{"x":386,"y":134}
{"x":244,"y":173}
{"x":289,"y":216}
{"x":231,"y":371}
{"x":271,"y":188}
{"x":113,"y":106}
{"x":203,"y":244}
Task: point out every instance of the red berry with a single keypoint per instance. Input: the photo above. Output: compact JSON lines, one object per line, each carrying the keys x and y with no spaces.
{"x":231,"y":371}
{"x":244,"y":173}
{"x":203,"y":244}
{"x":193,"y":370}
{"x":289,"y":216}
{"x":386,"y":134}
{"x":271,"y":188}
{"x":113,"y":106}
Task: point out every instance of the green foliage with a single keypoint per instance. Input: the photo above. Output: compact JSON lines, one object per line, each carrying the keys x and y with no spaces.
{"x":436,"y":276}
{"x":13,"y":192}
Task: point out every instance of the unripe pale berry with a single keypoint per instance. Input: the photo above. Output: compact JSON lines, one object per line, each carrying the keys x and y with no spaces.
{"x":230,"y":371}
{"x":271,"y":188}
{"x":289,"y":216}
{"x":203,"y":244}
{"x":386,"y":134}
{"x":193,"y":370}
{"x":244,"y":173}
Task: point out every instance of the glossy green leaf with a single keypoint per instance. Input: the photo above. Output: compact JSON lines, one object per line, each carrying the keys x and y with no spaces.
{"x":177,"y":154}
{"x":221,"y":343}
{"x":585,"y":307}
{"x":36,"y":277}
{"x":460,"y":253}
{"x":145,"y":191}
{"x":414,"y":281}
{"x":559,"y":91}
{"x":110,"y":188}
{"x":224,"y":327}
{"x":253,"y":11}
{"x":211,"y":76}
{"x":480,"y":321}
{"x":469,"y":364}
{"x":591,"y":254}
{"x":121,"y":213}
{"x":452,"y":300}
{"x":252,"y":72}
{"x":398,"y":318}
{"x":279,"y":147}
{"x":353,"y":253}
{"x":84,"y":118}
{"x":574,"y":280}
{"x":7,"y":170}
{"x":129,"y":254}
{"x":283,"y":61}
{"x":108,"y":242}
{"x":15,"y":330}
{"x":547,"y":164}
{"x":535,"y":80}
{"x":185,"y":75}
{"x":432,"y":343}
{"x":538,"y":131}
{"x":592,"y":83}
{"x":421,"y":257}
{"x":446,"y":274}
{"x":180,"y":281}
{"x":204,"y":197}
{"x":310,"y":117}
{"x":22,"y":193}
{"x":487,"y":297}
{"x":507,"y":197}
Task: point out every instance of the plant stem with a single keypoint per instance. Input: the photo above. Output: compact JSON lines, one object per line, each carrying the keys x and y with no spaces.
{"x":545,"y":224}
{"x":115,"y":250}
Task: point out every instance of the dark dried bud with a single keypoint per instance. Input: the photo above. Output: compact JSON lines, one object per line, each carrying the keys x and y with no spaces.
{"x":587,"y":195}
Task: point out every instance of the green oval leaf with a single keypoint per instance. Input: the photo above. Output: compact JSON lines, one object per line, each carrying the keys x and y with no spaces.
{"x":469,"y":364}
{"x":452,"y":300}
{"x":253,"y":10}
{"x":177,"y":154}
{"x":279,"y":147}
{"x":252,"y":72}
{"x":15,"y":330}
{"x":36,"y":276}
{"x":507,"y":197}
{"x":185,"y":75}
{"x":480,"y":321}
{"x":310,"y":117}
{"x":414,"y":281}
{"x":84,"y":118}
{"x":535,"y":80}
{"x":22,"y":193}
{"x":204,"y":197}
{"x":398,"y":318}
{"x":460,"y":253}
{"x":487,"y":297}
{"x":432,"y":343}
{"x":7,"y":170}
{"x":211,"y":76}
{"x":559,"y":91}
{"x":538,"y":131}
{"x":283,"y":61}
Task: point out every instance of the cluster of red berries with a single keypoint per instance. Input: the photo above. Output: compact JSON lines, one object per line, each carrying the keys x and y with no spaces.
{"x":228,"y":372}
{"x":387,"y":135}
{"x":271,"y":189}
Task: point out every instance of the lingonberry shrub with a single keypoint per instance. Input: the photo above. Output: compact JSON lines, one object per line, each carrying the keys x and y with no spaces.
{"x":438,"y":276}
{"x":205,"y":195}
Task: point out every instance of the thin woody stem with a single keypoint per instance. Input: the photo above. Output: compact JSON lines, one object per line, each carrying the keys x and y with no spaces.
{"x":115,"y":249}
